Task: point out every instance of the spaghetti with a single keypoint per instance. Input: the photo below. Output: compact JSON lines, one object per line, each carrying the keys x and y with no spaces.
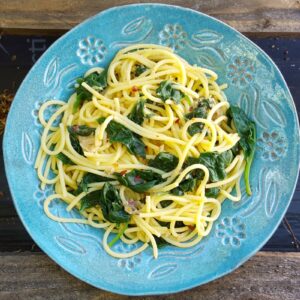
{"x":147,"y":149}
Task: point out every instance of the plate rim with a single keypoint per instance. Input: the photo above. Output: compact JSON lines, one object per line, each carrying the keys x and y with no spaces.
{"x":107,"y":286}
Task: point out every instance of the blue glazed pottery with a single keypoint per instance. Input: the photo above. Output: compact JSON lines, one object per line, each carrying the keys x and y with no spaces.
{"x":254,"y":83}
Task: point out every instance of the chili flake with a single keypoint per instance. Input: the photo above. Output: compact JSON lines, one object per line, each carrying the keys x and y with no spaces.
{"x":123,"y":172}
{"x":134,"y":88}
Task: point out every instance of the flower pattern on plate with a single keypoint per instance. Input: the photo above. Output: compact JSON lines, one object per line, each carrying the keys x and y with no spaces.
{"x":272,"y":145}
{"x":91,"y":50}
{"x":240,"y":71}
{"x":49,"y":111}
{"x":41,"y":195}
{"x":35,"y":113}
{"x":231,"y":231}
{"x":173,"y":36}
{"x":128,"y":263}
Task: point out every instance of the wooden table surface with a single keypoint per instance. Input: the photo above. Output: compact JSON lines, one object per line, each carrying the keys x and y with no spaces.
{"x":27,"y":28}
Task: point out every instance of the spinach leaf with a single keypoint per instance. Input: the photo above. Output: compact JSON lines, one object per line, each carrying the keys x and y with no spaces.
{"x":186,"y":185}
{"x":75,"y":144}
{"x":215,"y":163}
{"x":235,"y":149}
{"x":167,"y":91}
{"x":164,"y":161}
{"x":139,"y":180}
{"x":110,"y":202}
{"x":87,"y":179}
{"x":111,"y":205}
{"x":200,"y":111}
{"x":89,"y":200}
{"x":95,"y":80}
{"x":78,"y":191}
{"x":65,"y":159}
{"x":227,"y":157}
{"x":81,"y":130}
{"x":246,"y":129}
{"x":212,"y":192}
{"x":90,"y":178}
{"x":119,"y":133}
{"x":137,"y":113}
{"x":140,"y":69}
{"x":101,"y":120}
{"x":165,"y":203}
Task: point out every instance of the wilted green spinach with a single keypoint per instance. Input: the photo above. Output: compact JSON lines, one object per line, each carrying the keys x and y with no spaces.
{"x":95,"y":80}
{"x":246,"y":129}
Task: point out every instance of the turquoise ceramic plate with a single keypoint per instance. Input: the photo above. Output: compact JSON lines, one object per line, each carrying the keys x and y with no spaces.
{"x":255,"y":83}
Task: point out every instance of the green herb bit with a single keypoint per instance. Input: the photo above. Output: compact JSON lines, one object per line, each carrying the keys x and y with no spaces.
{"x":118,"y":236}
{"x":101,"y":120}
{"x":165,"y":203}
{"x":201,"y":111}
{"x":81,"y":130}
{"x":75,"y":144}
{"x":167,"y":90}
{"x":212,"y":192}
{"x":186,"y":185}
{"x":164,"y":161}
{"x":140,"y":69}
{"x":137,"y":113}
{"x":119,"y":133}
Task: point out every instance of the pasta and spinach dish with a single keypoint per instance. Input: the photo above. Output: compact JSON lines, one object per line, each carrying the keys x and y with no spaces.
{"x":146,"y":149}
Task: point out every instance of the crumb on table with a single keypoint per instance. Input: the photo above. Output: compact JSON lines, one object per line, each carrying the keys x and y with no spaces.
{"x":6,"y":99}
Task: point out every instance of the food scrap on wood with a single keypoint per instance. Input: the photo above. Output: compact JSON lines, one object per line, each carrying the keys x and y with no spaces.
{"x":6,"y":99}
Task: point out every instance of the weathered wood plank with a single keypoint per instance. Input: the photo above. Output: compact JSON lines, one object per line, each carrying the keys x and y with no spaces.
{"x":281,"y":16}
{"x":268,"y":275}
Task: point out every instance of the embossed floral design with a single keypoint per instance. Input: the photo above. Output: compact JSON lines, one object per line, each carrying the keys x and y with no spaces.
{"x":91,"y":50}
{"x":49,"y":111}
{"x":35,"y":113}
{"x":231,"y":231}
{"x":272,"y":145}
{"x":173,"y":36}
{"x":128,"y":263}
{"x":240,"y":71}
{"x":40,"y":195}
